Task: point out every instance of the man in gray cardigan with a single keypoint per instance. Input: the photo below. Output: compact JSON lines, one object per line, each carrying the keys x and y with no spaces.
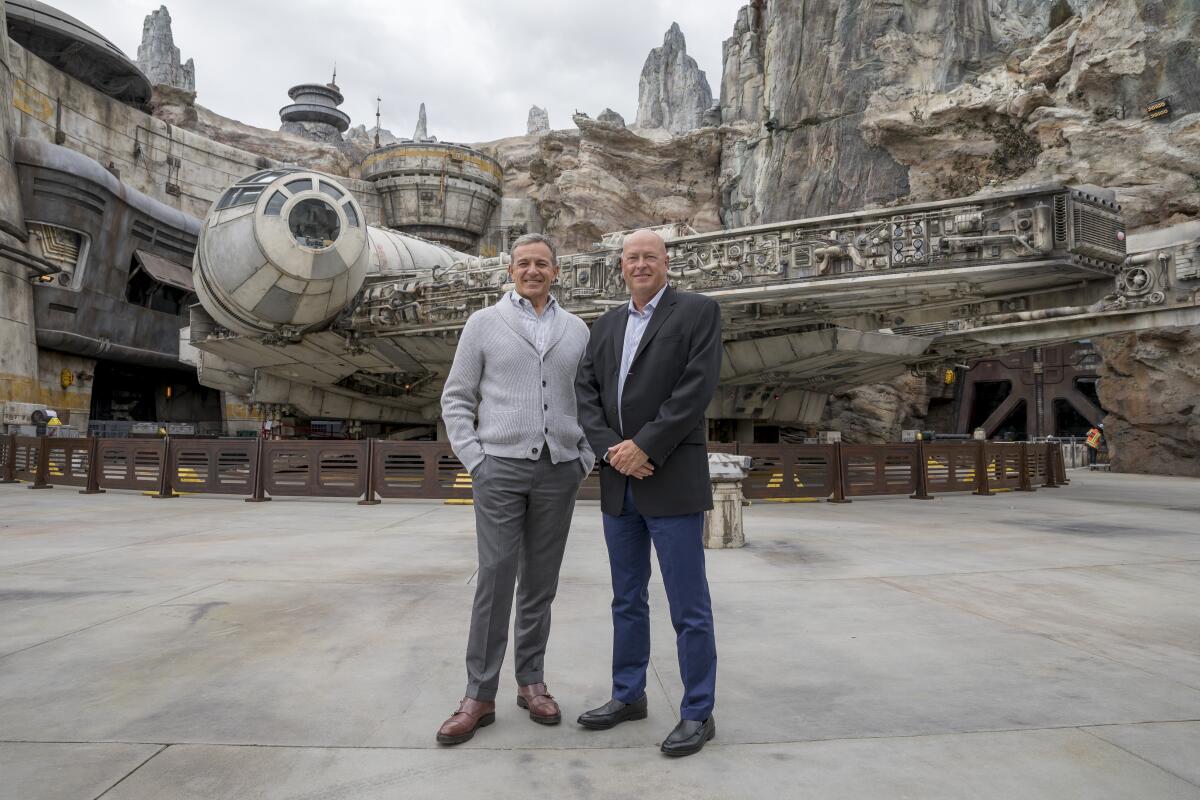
{"x":509,"y":410}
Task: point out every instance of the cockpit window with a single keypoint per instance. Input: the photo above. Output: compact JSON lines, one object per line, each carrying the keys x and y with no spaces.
{"x":240,"y":196}
{"x":303,"y":185}
{"x":275,"y":204}
{"x":314,"y":223}
{"x":331,"y":190}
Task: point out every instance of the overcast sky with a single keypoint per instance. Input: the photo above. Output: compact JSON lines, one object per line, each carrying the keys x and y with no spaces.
{"x":478,"y":65}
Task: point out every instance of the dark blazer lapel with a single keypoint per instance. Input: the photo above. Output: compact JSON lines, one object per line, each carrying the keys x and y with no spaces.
{"x":666,"y":304}
{"x":620,"y":322}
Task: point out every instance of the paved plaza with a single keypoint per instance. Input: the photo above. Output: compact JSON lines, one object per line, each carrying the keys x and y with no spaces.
{"x":1044,"y":645}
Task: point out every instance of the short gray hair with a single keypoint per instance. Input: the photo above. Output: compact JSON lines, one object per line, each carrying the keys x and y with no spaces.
{"x":534,"y":238}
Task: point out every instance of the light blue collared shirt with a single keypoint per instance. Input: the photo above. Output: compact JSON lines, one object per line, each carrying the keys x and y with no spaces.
{"x":635,"y":327}
{"x":537,"y":324}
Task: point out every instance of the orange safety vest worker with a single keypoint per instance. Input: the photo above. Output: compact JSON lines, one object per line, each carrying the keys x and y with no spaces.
{"x":1093,"y":438}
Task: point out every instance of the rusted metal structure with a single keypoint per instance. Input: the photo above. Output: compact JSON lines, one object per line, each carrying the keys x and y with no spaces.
{"x":1045,"y":391}
{"x":371,"y":469}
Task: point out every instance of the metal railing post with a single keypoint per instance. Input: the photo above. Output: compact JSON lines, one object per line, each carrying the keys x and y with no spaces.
{"x":259,"y":495}
{"x":981,"y":471}
{"x":922,"y":470}
{"x":1062,"y":464}
{"x":839,"y":482}
{"x":370,"y":499}
{"x":42,"y":471}
{"x":165,"y":490}
{"x":10,"y":463}
{"x":1025,"y":484}
{"x":93,"y":475}
{"x":1051,"y":468}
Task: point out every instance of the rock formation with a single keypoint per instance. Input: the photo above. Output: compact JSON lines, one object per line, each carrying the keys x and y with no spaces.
{"x":1150,"y":384}
{"x":610,"y":117}
{"x":602,"y":178}
{"x":421,"y":132}
{"x":362,"y":136}
{"x":879,"y":412}
{"x":673,"y":92}
{"x":539,"y":121}
{"x":840,"y":106}
{"x":179,"y":108}
{"x":158,"y":57}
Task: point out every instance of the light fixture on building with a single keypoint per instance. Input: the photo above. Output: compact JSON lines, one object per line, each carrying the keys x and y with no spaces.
{"x":1159,"y":108}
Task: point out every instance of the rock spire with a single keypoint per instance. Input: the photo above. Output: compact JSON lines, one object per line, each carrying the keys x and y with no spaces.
{"x":158,"y":56}
{"x":673,"y":92}
{"x":539,"y":121}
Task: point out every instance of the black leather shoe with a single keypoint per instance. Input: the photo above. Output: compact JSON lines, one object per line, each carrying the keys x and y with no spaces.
{"x":689,"y":737}
{"x":613,"y":712}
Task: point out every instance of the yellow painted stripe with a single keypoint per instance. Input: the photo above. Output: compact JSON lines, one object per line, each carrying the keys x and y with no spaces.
{"x":434,"y":152}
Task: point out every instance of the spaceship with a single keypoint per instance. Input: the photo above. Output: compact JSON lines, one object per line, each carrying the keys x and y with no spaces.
{"x":303,"y":306}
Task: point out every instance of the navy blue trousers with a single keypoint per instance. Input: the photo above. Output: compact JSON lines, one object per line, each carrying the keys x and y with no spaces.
{"x":678,"y":541}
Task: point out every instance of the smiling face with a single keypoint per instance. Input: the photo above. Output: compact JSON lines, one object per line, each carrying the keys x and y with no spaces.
{"x":644,"y":265}
{"x":533,"y":269}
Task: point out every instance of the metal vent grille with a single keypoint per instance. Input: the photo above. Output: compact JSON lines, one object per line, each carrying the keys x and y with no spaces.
{"x":1060,"y":219}
{"x":1095,"y":233}
{"x":926,"y":329}
{"x":1187,"y":262}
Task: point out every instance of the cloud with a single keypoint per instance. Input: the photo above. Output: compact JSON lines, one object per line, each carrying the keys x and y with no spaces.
{"x":478,"y":65}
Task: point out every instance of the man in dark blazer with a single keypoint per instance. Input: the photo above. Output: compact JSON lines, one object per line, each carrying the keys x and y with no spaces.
{"x":649,"y":371}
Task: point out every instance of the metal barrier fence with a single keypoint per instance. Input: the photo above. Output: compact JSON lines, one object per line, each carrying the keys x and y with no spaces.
{"x":372,"y":468}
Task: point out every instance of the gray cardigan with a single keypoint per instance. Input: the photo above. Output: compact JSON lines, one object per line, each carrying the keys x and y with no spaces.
{"x":520,"y":399}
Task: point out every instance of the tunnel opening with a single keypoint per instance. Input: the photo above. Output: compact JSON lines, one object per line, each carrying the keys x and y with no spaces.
{"x":128,"y":393}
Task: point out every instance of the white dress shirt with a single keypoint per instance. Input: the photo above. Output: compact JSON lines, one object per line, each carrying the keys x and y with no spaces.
{"x":635,"y":327}
{"x":537,"y":324}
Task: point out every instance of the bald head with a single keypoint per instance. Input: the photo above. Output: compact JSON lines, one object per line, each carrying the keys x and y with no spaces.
{"x":644,"y":265}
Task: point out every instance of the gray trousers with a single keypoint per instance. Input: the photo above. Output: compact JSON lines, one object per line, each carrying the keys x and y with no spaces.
{"x":523,"y":512}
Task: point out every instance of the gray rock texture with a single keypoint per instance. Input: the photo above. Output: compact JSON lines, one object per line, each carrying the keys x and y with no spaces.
{"x":610,"y":117}
{"x":361,"y":135}
{"x":838,"y":106}
{"x":158,"y":56}
{"x":602,"y":178}
{"x":336,"y":158}
{"x":421,"y":132}
{"x":1150,"y":384}
{"x":539,"y":121}
{"x":673,"y":92}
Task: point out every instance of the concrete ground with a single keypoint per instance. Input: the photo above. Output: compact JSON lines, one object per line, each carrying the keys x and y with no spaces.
{"x":1033,"y":646}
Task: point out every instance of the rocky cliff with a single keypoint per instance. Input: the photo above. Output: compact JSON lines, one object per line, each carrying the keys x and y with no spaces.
{"x":604,"y":177}
{"x":1150,"y":384}
{"x":844,"y":105}
{"x":673,"y":92}
{"x":179,"y":108}
{"x":158,"y":56}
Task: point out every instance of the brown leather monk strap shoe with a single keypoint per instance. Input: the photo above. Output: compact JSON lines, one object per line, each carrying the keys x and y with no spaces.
{"x":472,"y":714}
{"x":541,"y":704}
